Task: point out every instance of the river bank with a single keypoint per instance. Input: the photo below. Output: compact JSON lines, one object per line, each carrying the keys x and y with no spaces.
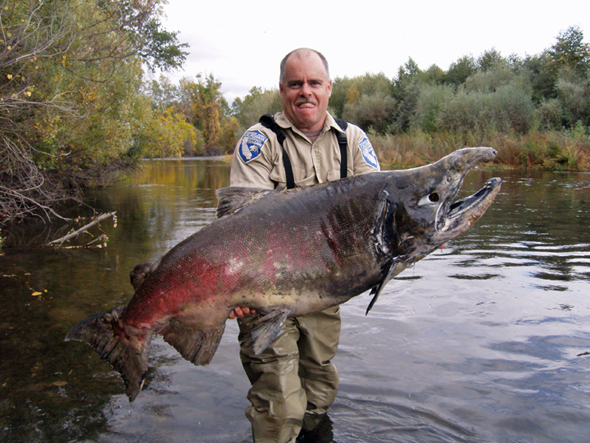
{"x":553,"y":151}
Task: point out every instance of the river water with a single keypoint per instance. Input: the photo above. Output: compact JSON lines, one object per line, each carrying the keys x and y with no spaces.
{"x":487,"y":340}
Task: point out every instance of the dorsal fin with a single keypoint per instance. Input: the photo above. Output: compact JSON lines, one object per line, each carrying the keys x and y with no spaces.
{"x":234,"y":198}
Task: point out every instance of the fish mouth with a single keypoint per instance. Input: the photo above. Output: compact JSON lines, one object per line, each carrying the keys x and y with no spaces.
{"x":463,"y":213}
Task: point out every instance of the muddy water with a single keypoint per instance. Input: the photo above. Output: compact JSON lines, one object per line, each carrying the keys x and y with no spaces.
{"x":487,"y":340}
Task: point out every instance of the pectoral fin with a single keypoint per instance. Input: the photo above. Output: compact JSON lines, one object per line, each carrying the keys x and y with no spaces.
{"x":394,"y":268}
{"x":267,"y":328}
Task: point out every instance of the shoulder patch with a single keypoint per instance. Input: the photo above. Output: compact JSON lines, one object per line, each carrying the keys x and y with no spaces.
{"x":368,"y":153}
{"x":250,"y":145}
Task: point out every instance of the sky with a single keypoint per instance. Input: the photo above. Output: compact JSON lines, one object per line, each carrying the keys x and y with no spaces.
{"x":241,"y":42}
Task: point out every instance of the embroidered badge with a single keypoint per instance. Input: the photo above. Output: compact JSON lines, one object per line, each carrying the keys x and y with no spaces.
{"x":368,"y":153}
{"x":250,"y":145}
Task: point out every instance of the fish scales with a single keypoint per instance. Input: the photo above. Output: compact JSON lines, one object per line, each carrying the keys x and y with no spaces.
{"x":285,"y":254}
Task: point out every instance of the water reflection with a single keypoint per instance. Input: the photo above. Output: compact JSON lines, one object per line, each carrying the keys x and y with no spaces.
{"x":486,"y":340}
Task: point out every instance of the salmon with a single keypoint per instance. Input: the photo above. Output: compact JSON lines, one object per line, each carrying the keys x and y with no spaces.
{"x":286,"y":253}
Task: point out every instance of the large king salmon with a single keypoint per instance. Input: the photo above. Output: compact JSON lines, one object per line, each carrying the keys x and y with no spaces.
{"x":287,"y":253}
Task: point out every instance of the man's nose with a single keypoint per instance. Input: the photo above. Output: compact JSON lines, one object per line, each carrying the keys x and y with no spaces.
{"x":305,"y":89}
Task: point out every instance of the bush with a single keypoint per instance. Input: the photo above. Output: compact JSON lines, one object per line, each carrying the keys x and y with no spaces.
{"x":549,"y":114}
{"x":507,"y":109}
{"x":432,"y":101}
{"x":372,"y":111}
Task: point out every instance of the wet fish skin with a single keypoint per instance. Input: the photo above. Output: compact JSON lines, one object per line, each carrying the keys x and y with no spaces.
{"x":285,"y":254}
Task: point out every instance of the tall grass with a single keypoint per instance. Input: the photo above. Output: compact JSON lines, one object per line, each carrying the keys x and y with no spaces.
{"x":569,"y":151}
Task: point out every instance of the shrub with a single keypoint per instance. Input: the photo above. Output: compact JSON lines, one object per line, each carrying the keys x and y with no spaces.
{"x":549,"y":114}
{"x":432,"y":100}
{"x":372,"y":111}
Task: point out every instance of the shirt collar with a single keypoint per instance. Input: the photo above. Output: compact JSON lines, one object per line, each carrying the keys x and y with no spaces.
{"x":285,"y":123}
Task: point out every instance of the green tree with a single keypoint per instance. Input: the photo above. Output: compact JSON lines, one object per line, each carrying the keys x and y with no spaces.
{"x":375,"y":111}
{"x":162,"y":92}
{"x":71,"y":104}
{"x":431,"y":103}
{"x":343,"y":90}
{"x":573,"y":92}
{"x":489,"y":60}
{"x":541,"y":76}
{"x":255,"y":104}
{"x":460,"y":70}
{"x":570,"y":51}
{"x":434,"y":75}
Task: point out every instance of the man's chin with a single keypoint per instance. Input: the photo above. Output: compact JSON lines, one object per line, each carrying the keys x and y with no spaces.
{"x":307,"y":118}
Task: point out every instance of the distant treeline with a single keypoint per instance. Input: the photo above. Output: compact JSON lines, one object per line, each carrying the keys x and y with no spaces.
{"x":75,"y":105}
{"x":535,"y":110}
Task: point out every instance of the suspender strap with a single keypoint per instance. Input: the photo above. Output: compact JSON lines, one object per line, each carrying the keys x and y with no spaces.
{"x":268,"y":121}
{"x":342,"y":142}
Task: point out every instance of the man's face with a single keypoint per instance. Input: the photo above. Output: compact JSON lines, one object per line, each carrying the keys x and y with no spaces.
{"x":305,"y":91}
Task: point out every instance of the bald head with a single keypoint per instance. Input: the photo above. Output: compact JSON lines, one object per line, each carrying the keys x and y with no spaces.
{"x":302,"y":54}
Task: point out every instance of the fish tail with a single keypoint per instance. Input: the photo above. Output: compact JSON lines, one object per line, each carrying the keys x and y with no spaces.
{"x":126,"y":354}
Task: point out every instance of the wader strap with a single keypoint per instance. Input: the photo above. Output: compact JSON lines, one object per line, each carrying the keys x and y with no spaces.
{"x":268,"y":121}
{"x":342,"y":142}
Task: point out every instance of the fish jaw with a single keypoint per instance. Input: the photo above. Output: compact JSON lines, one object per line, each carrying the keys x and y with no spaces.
{"x":464,"y":213}
{"x":427,"y":215}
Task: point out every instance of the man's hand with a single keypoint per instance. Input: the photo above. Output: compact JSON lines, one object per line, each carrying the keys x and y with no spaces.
{"x":241,"y":313}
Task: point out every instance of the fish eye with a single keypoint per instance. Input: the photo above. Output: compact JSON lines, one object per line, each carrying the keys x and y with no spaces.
{"x":429,"y":199}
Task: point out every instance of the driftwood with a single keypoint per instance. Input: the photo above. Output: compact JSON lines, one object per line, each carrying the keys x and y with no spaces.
{"x":84,"y":228}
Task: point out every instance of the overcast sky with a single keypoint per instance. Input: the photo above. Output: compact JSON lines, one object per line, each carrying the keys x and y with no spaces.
{"x":242,"y":42}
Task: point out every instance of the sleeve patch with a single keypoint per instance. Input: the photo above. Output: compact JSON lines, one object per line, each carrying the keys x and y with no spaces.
{"x":369,"y":153}
{"x":251,"y":145}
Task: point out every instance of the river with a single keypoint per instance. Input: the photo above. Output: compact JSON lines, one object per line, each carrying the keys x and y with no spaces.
{"x":487,"y":340}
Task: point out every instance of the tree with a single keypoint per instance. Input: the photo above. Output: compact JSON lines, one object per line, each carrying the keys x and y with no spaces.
{"x":353,"y":95}
{"x":31,"y":36}
{"x":256,"y":103}
{"x":571,"y":51}
{"x":373,"y":111}
{"x":408,"y":74}
{"x":574,"y":95}
{"x":459,"y":71}
{"x":202,"y":106}
{"x":541,"y":77}
{"x":71,"y":106}
{"x":489,"y":59}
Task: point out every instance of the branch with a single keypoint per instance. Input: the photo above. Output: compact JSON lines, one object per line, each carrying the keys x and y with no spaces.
{"x":82,"y":229}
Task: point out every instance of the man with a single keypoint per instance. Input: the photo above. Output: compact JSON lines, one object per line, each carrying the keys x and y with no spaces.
{"x":293,"y":381}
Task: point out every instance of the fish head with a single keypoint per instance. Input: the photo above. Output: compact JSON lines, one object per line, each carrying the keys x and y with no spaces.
{"x":425,"y":214}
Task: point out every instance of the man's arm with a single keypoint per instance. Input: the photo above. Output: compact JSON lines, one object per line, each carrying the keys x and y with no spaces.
{"x":361,"y":155}
{"x":250,"y":168}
